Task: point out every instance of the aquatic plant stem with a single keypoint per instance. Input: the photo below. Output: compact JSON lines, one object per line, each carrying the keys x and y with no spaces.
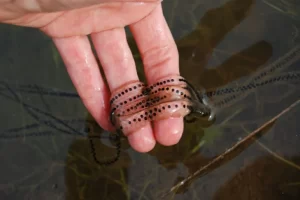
{"x":203,"y":170}
{"x":275,"y":155}
{"x":280,"y":158}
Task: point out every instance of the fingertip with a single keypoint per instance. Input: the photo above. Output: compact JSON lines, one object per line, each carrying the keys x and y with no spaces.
{"x":142,"y":140}
{"x":106,"y":125}
{"x":169,"y":131}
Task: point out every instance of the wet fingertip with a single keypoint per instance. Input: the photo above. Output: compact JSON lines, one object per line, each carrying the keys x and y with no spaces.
{"x":104,"y":121}
{"x":168,"y":131}
{"x":106,"y":125}
{"x":142,"y":140}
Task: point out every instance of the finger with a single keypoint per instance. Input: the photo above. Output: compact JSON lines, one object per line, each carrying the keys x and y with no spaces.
{"x":84,"y":71}
{"x":119,"y":69}
{"x":160,"y":59}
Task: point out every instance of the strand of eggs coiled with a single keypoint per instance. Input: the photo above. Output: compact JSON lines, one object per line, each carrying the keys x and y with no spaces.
{"x":135,"y":104}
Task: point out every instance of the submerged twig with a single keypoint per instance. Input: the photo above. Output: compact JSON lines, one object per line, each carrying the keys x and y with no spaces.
{"x":203,"y":170}
{"x":275,"y":155}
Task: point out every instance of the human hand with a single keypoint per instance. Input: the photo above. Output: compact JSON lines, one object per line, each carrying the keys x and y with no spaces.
{"x":105,"y":20}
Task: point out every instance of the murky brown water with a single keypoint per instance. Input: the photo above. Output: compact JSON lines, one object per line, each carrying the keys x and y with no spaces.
{"x":45,"y":153}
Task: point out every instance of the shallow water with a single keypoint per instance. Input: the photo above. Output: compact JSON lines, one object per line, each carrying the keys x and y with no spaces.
{"x":45,"y":153}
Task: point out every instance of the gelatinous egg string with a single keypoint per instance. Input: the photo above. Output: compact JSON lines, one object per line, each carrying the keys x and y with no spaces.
{"x":51,"y":122}
{"x":280,"y":64}
{"x":132,"y":105}
{"x":117,"y":140}
{"x":283,"y":77}
{"x":135,"y":104}
{"x":38,"y":114}
{"x":201,"y":105}
{"x":270,"y":74}
{"x":168,"y":97}
{"x":257,"y":78}
{"x":37,"y":89}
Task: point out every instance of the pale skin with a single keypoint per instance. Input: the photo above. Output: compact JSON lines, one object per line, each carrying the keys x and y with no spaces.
{"x":69,"y":22}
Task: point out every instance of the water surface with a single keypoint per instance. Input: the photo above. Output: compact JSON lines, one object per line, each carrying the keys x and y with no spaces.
{"x":45,"y":153}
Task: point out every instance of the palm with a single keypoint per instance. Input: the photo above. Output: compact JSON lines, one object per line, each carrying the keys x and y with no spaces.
{"x":86,"y":20}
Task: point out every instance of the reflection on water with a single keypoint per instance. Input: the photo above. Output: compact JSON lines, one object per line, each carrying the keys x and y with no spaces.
{"x":44,"y":146}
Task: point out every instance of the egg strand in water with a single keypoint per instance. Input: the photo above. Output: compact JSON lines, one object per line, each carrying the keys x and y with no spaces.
{"x":135,"y":104}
